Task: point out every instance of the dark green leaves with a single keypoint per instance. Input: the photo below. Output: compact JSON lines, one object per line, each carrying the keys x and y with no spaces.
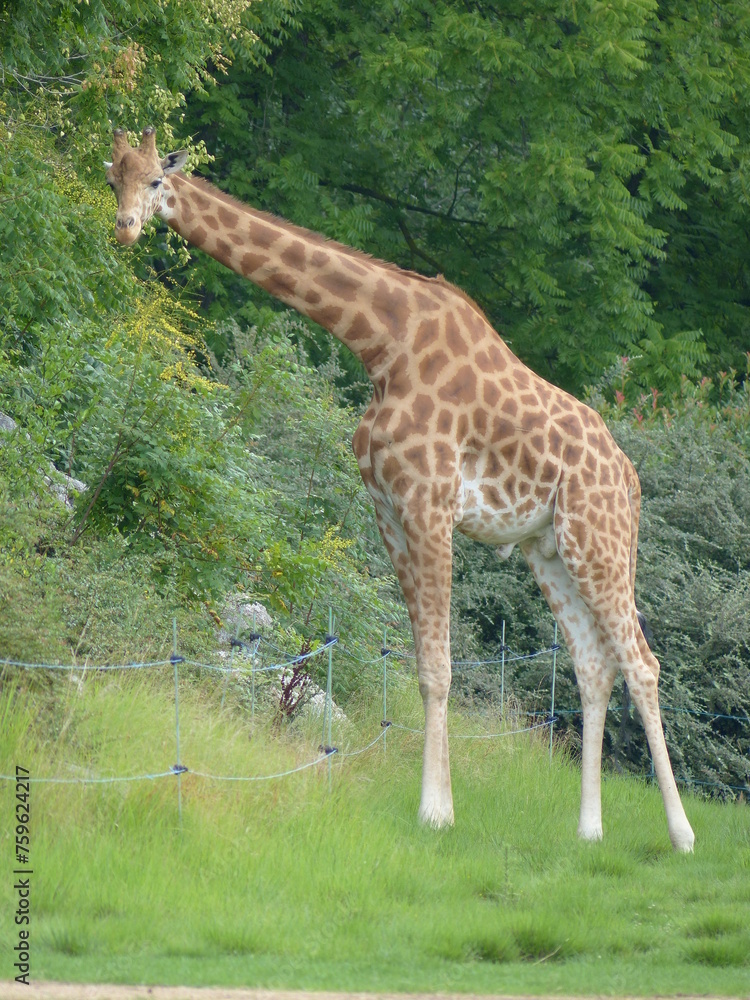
{"x":579,"y":168}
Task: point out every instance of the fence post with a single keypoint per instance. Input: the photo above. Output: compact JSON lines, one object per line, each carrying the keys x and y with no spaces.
{"x":385,"y":688}
{"x":178,"y":766}
{"x":502,"y":677}
{"x":552,"y":704}
{"x":252,"y":677}
{"x":328,"y":714}
{"x":232,"y":648}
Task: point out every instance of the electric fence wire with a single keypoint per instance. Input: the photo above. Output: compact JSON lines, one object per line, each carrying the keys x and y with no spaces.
{"x":85,"y":666}
{"x":482,"y":736}
{"x":182,"y":770}
{"x":293,"y":660}
{"x":264,"y":777}
{"x":616,"y":709}
{"x":94,"y":781}
{"x":356,"y":753}
{"x":296,"y":659}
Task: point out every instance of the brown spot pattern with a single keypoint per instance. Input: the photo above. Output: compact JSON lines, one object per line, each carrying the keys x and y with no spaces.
{"x":252,"y":262}
{"x":431,"y":367}
{"x":227,"y":217}
{"x":263,"y":236}
{"x":341,"y":286}
{"x":327,"y":316}
{"x":461,"y":388}
{"x":391,"y":306}
{"x":294,"y":255}
{"x":427,"y":334}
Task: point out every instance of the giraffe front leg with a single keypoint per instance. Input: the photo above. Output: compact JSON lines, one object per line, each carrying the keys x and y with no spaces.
{"x":430,"y":558}
{"x":423,"y":566}
{"x":436,"y":801}
{"x":594,"y":703}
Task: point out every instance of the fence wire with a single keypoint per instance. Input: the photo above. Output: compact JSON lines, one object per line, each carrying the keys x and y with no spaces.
{"x":326,"y":753}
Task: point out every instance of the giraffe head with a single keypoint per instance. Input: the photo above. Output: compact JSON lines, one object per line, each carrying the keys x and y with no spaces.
{"x":136,"y":175}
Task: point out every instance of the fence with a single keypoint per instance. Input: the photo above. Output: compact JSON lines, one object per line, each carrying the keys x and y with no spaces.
{"x":326,"y":750}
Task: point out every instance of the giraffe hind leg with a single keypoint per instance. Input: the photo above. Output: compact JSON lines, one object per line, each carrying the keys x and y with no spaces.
{"x":600,"y":567}
{"x":641,"y":673}
{"x":594,"y":674}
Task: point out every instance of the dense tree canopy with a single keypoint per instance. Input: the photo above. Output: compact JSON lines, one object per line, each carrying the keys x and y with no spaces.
{"x":579,"y":168}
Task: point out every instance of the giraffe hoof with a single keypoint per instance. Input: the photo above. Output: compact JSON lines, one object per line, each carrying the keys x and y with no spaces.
{"x":683,"y":840}
{"x":436,"y":816}
{"x":592,"y":834}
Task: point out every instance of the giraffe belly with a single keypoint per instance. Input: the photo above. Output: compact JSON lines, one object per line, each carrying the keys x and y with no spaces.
{"x":489,"y":514}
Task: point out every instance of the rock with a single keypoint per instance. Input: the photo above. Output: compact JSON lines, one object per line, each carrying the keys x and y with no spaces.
{"x":239,"y":613}
{"x":316,"y":705}
{"x":59,"y":484}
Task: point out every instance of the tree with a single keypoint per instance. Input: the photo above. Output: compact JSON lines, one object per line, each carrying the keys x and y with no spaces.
{"x":578,"y":168}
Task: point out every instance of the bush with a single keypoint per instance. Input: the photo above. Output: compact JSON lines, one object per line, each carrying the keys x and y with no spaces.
{"x":200,"y":486}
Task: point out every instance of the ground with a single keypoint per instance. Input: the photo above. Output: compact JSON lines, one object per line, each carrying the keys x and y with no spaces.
{"x":74,"y":991}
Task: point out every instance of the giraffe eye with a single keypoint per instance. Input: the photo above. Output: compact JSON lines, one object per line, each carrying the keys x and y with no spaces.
{"x":156,"y":183}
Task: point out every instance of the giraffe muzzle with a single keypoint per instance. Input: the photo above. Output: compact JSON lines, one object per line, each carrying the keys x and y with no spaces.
{"x":127,"y":229}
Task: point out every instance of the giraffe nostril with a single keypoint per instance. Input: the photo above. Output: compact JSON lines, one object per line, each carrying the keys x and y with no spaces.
{"x":127,"y":229}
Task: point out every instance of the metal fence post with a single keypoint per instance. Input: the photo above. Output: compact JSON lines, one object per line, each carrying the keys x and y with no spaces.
{"x":502,"y":676}
{"x":385,"y":688}
{"x":328,"y":716}
{"x":552,"y":704}
{"x":178,"y":768}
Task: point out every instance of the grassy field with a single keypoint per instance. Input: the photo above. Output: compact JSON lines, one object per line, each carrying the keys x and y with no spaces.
{"x":318,"y":883}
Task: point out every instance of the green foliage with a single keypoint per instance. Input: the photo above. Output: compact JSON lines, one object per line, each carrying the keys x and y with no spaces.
{"x":69,"y":71}
{"x":208,"y":478}
{"x":56,"y":257}
{"x":104,"y":363}
{"x":579,"y":170}
{"x":691,"y":453}
{"x":196,"y":489}
{"x":129,"y":60}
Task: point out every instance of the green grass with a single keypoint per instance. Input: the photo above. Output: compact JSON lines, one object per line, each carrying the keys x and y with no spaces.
{"x":290,"y":883}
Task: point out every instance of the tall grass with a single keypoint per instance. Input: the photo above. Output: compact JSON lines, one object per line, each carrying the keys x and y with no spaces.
{"x":299,"y":882}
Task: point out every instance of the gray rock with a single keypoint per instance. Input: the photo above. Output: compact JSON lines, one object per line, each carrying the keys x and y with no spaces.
{"x":59,"y":484}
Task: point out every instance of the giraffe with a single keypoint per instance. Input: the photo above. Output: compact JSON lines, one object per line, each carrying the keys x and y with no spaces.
{"x":459,"y":435}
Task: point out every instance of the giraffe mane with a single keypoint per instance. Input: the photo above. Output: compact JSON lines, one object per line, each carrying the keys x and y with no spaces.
{"x":312,"y":237}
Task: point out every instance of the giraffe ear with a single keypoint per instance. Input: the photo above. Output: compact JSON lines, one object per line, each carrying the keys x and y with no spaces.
{"x":174,"y":161}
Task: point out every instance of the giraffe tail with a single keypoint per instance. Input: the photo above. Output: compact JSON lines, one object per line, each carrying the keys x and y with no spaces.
{"x":648,"y":635}
{"x":634,"y":499}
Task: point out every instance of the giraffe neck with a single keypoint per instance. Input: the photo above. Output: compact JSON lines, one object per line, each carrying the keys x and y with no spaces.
{"x":363,"y":302}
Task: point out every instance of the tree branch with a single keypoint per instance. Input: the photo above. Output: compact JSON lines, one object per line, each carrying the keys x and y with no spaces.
{"x":402,"y":206}
{"x":416,"y":252}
